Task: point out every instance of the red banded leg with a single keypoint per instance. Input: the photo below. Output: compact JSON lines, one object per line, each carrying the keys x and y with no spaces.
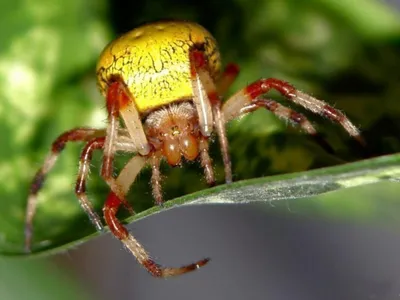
{"x":84,"y":167}
{"x":116,"y":139}
{"x":156,"y":179}
{"x":75,"y":135}
{"x":206,"y":99}
{"x":112,"y":204}
{"x":280,"y":111}
{"x":80,"y":186}
{"x":227,"y":78}
{"x":119,"y":102}
{"x":287,"y":114}
{"x":115,"y":99}
{"x":232,"y":108}
{"x":206,"y":162}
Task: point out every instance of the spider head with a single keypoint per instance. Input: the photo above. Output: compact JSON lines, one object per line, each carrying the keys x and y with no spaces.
{"x":173,"y":130}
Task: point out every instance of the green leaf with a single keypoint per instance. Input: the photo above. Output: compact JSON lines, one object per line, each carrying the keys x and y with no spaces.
{"x":292,"y":188}
{"x":44,"y":45}
{"x":372,"y":19}
{"x":37,"y":280}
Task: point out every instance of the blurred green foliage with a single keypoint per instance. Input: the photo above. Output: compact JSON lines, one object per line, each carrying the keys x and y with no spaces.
{"x":345,"y":52}
{"x":37,"y":280}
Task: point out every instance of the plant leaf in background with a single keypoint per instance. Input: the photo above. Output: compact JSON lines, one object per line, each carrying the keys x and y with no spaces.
{"x":46,"y":49}
{"x":342,"y":53}
{"x":37,"y":280}
{"x":39,"y":67}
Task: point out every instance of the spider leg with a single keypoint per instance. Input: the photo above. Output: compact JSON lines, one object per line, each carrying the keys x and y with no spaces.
{"x":74,"y":135}
{"x":227,"y":78}
{"x":205,"y":91}
{"x":232,"y":108}
{"x":156,"y":179}
{"x":202,"y":85}
{"x":80,"y":187}
{"x":287,"y":114}
{"x":119,"y":102}
{"x":206,"y":162}
{"x":111,"y":206}
{"x":122,"y":144}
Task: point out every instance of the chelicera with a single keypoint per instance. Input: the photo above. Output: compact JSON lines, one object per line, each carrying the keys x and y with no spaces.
{"x":164,"y":81}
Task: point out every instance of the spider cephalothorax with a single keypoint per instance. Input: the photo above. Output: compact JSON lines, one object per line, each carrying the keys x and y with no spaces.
{"x":164,"y":81}
{"x":173,"y":131}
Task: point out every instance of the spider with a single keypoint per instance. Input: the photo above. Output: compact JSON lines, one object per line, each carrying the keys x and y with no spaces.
{"x":163,"y":85}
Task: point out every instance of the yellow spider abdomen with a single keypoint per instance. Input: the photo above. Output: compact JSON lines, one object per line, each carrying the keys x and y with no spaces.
{"x":153,"y":62}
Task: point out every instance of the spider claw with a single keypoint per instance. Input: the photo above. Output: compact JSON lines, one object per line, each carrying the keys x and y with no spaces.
{"x":169,"y":272}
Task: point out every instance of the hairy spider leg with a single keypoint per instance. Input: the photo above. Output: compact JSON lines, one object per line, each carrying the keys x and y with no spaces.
{"x":119,"y":102}
{"x":206,"y":161}
{"x":123,"y":144}
{"x":75,"y":135}
{"x":289,"y":115}
{"x":227,"y":78}
{"x":111,"y":206}
{"x":204,"y":88}
{"x":156,"y":179}
{"x":80,"y":185}
{"x":246,"y":97}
